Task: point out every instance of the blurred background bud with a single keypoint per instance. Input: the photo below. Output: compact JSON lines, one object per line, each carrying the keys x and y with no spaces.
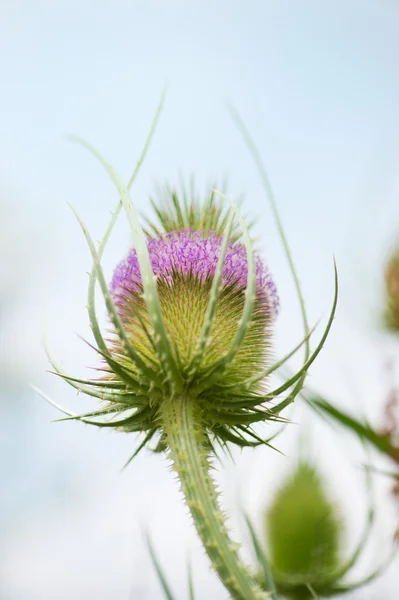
{"x":391,"y":284}
{"x":304,"y":533}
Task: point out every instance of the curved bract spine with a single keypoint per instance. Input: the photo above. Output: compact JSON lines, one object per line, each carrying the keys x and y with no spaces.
{"x":213,"y":299}
{"x":161,"y":339}
{"x":114,"y":217}
{"x":273,"y":207}
{"x":131,"y":352}
{"x":221,"y":365}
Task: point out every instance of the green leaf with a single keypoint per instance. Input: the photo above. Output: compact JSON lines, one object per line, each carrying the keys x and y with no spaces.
{"x":147,"y":438}
{"x":226,"y":435}
{"x":120,"y":330}
{"x":138,"y":418}
{"x":362,"y":430}
{"x":190,"y":581}
{"x":161,"y":576}
{"x":260,"y":442}
{"x":263,"y":560}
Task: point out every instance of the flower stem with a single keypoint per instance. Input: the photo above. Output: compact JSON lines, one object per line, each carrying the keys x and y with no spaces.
{"x":189,"y":453}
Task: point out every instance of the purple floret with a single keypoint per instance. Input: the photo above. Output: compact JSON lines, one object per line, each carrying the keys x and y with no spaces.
{"x":189,"y":251}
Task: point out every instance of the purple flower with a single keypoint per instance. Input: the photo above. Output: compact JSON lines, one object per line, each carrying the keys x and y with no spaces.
{"x":189,"y":251}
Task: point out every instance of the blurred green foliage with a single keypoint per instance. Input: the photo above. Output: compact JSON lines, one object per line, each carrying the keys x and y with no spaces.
{"x":304,"y":533}
{"x":391,"y":281}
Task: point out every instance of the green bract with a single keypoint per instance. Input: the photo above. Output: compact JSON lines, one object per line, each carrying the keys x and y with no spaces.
{"x":186,"y":209}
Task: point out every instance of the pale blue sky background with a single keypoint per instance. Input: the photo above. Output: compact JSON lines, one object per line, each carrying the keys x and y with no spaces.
{"x":317,"y":85}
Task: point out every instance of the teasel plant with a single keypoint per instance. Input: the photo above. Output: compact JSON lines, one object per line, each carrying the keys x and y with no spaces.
{"x":186,"y":364}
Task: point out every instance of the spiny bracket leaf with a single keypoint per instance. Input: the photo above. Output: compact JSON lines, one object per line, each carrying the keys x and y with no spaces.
{"x":204,"y":215}
{"x":89,"y":389}
{"x":250,"y":289}
{"x":84,"y":389}
{"x":190,"y":581}
{"x":213,"y":298}
{"x":162,"y":342}
{"x":351,"y":561}
{"x":137,"y":417}
{"x":147,"y":438}
{"x":299,"y":375}
{"x":133,"y":355}
{"x":161,"y":575}
{"x":226,"y":434}
{"x":114,"y":216}
{"x":148,"y":140}
{"x":249,"y":382}
{"x":72,"y":415}
{"x":95,"y":413}
{"x":52,"y":402}
{"x":102,"y":347}
{"x":111,"y":385}
{"x":279,"y":363}
{"x":273,"y":206}
{"x":363,"y":430}
{"x":221,"y":365}
{"x":302,"y":372}
{"x":262,"y":559}
{"x":338,"y":589}
{"x":259,"y":440}
{"x":122,"y":371}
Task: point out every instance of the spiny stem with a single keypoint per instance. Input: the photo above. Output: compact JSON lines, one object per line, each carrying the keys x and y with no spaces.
{"x":190,"y":456}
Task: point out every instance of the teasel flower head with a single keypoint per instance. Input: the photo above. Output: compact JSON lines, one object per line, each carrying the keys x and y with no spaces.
{"x":192,"y":312}
{"x":184,"y":263}
{"x":304,"y":532}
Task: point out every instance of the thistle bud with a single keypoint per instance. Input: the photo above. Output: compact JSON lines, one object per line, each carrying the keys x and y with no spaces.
{"x":184,"y":264}
{"x":304,"y":533}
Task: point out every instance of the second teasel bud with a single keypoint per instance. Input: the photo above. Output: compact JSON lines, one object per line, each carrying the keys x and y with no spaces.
{"x":304,"y":533}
